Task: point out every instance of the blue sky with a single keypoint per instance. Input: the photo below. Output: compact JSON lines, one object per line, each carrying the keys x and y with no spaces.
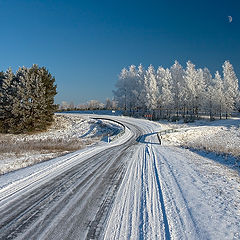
{"x":85,"y":44}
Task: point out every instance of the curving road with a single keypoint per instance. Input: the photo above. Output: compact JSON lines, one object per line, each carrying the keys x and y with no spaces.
{"x":71,"y":202}
{"x":132,"y":188}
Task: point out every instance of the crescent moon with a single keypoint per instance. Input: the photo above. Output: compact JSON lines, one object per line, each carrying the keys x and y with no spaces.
{"x":230,"y":19}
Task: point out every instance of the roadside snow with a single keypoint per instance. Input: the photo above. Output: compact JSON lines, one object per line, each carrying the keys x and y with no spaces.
{"x":69,"y":133}
{"x":221,"y":136}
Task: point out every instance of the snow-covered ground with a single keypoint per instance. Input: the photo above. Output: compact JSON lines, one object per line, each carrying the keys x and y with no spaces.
{"x":220,"y":136}
{"x":131,"y":188}
{"x":173,"y":193}
{"x":69,"y":133}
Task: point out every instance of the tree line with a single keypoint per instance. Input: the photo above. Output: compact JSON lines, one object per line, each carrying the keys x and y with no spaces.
{"x":90,"y":105}
{"x":177,"y":91}
{"x":26,"y":99}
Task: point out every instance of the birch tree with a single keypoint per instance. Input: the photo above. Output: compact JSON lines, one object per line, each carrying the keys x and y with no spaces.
{"x":151,"y":88}
{"x":218,"y":98}
{"x":178,"y":88}
{"x":231,"y":88}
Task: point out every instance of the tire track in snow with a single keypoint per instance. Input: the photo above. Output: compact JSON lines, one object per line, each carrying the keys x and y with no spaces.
{"x":96,"y":226}
{"x":139,"y":211}
{"x":180,"y":212}
{"x":18,"y":216}
{"x":145,"y":207}
{"x":166,"y":225}
{"x":61,"y":205}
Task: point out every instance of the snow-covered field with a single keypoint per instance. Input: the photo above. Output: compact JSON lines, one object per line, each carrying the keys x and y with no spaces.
{"x":220,"y":136}
{"x":68,"y":133}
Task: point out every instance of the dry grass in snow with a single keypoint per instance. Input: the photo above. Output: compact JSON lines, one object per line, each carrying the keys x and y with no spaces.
{"x":67,"y":134}
{"x":222,"y":136}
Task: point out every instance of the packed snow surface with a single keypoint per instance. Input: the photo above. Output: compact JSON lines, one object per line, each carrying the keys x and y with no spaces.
{"x":130,"y":188}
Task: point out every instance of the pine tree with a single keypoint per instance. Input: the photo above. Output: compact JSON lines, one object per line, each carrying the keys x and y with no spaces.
{"x":49,"y":91}
{"x":26,"y":100}
{"x":8,"y":95}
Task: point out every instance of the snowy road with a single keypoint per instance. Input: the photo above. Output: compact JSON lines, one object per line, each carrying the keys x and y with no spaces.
{"x":132,"y":188}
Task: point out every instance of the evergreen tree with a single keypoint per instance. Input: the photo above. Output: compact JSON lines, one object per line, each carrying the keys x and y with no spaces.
{"x":27,"y":100}
{"x":8,"y":95}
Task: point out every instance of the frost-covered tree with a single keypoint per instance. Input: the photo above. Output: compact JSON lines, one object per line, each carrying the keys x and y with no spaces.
{"x":121,"y":92}
{"x":125,"y":86}
{"x":132,"y":87}
{"x":178,"y":88}
{"x":231,"y":91}
{"x":108,"y":104}
{"x":201,"y":91}
{"x":140,"y":91}
{"x":151,"y":89}
{"x":188,"y":90}
{"x":167,"y":89}
{"x":165,"y":96}
{"x":190,"y":78}
{"x":217,"y":95}
{"x":94,"y":104}
{"x":207,"y":100}
{"x":127,"y":93}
